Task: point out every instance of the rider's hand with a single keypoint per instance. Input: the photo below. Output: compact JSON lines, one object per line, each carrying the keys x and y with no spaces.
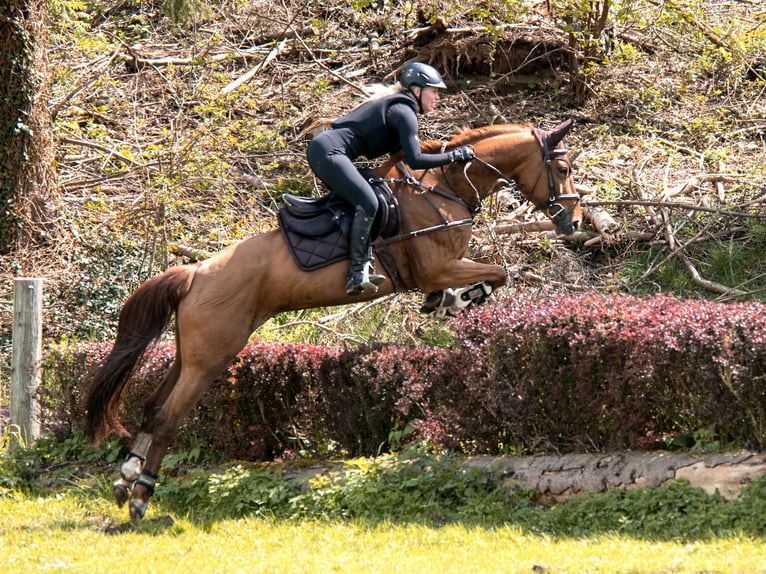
{"x":463,"y":153}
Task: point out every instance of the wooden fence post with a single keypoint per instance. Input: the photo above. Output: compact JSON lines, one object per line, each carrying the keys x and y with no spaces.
{"x":27,"y":354}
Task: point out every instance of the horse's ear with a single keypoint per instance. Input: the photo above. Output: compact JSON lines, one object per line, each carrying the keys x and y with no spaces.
{"x":557,"y":134}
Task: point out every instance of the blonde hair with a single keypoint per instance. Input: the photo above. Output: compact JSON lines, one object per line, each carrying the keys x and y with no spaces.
{"x":377,"y":91}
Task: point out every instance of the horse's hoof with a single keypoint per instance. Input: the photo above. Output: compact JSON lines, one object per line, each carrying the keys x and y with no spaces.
{"x":137,"y":508}
{"x":121,"y":490}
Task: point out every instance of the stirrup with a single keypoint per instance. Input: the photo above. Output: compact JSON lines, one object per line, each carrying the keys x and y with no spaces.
{"x":375,"y":278}
{"x":360,"y":281}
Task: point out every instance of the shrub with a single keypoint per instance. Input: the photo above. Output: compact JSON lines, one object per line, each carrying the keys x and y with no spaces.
{"x":603,"y":372}
{"x":590,"y":373}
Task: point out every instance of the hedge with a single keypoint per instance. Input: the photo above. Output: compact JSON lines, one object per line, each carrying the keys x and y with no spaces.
{"x":566,"y":374}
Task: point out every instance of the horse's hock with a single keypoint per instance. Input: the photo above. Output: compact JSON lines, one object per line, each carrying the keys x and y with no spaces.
{"x":560,"y":477}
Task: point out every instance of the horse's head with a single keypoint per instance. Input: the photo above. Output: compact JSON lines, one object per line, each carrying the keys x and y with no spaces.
{"x":535,"y":159}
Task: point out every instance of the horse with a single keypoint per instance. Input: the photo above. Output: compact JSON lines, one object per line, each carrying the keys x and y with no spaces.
{"x":219,"y":302}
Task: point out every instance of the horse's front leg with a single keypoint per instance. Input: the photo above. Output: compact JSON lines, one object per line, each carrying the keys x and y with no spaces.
{"x":459,"y":272}
{"x":451,"y":301}
{"x":468,"y":283}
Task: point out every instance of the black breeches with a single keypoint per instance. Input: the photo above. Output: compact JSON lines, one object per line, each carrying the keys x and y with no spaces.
{"x":327,"y":155}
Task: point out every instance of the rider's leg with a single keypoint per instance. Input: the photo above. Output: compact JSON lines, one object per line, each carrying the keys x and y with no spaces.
{"x":329,"y":161}
{"x":361,"y":275}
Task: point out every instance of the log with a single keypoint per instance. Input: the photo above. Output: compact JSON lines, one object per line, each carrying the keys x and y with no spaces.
{"x":560,"y":477}
{"x":526,"y":227}
{"x":604,"y":223}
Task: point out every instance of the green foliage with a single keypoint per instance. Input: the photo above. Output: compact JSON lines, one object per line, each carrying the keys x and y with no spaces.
{"x":419,"y":486}
{"x":187,"y":12}
{"x":416,"y":486}
{"x":735,"y":260}
{"x":231,"y":493}
{"x":46,"y":464}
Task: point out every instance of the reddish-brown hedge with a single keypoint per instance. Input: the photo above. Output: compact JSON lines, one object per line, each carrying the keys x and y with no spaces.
{"x":594,"y":372}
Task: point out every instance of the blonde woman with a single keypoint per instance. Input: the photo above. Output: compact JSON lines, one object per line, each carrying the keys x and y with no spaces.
{"x":377,"y":127}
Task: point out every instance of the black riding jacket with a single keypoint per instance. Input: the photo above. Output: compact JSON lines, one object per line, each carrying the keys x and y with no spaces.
{"x":385,"y":126}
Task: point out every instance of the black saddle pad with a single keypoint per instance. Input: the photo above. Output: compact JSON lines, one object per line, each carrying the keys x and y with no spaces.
{"x":319,"y":237}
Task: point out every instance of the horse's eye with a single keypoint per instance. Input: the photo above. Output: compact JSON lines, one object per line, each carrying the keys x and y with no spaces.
{"x":564,"y":171}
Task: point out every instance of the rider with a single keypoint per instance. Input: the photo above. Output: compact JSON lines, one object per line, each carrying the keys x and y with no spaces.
{"x":384,"y":125}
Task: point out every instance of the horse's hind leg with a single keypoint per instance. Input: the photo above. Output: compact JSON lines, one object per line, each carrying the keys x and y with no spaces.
{"x":133,"y":465}
{"x":192,"y":383}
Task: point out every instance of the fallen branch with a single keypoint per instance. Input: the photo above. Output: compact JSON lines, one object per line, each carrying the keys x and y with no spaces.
{"x":535,"y":278}
{"x":675,"y":205}
{"x":189,"y":252}
{"x":278,"y":49}
{"x":603,"y":222}
{"x":528,"y":227}
{"x":707,"y":284}
{"x":696,"y":277}
{"x":110,"y":151}
{"x":632,"y":235}
{"x":695,"y":182}
{"x":330,"y":71}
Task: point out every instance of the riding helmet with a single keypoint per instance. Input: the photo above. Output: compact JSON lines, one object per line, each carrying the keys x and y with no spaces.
{"x":420,"y":74}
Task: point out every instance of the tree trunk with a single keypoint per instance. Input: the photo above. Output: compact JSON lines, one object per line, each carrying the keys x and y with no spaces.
{"x":27,"y":176}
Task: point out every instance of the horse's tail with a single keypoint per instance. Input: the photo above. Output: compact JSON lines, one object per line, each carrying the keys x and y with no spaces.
{"x":142,"y":320}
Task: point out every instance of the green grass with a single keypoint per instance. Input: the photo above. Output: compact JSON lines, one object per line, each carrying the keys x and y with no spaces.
{"x":72,"y":533}
{"x":411,"y":512}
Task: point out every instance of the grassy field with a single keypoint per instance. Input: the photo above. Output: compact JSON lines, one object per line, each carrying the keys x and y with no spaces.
{"x":76,"y":533}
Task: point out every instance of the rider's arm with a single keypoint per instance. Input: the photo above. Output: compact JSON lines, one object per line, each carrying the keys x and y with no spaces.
{"x":402,"y":118}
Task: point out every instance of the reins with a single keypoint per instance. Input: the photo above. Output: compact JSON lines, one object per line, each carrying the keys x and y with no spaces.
{"x":554,"y":200}
{"x":418,"y":184}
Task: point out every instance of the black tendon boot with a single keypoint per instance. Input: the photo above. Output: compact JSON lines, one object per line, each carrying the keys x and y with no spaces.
{"x":360,"y":278}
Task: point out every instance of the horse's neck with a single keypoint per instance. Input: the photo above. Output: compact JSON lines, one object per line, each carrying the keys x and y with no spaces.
{"x":506,"y":147}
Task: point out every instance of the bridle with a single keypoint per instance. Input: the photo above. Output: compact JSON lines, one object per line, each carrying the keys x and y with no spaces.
{"x":554,"y":199}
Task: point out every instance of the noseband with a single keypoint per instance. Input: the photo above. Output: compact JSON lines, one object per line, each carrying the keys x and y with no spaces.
{"x":554,"y":200}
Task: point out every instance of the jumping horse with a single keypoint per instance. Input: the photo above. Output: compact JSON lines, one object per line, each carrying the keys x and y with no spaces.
{"x":220,"y":302}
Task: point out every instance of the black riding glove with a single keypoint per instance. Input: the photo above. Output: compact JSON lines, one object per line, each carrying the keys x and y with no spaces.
{"x":463,"y":153}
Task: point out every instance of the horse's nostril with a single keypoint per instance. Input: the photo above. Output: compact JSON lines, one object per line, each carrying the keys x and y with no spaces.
{"x":575,"y":225}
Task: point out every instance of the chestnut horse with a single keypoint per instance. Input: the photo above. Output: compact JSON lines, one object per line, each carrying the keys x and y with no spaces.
{"x":220,"y":302}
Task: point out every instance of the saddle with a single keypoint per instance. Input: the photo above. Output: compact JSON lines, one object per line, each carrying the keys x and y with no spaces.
{"x":316,"y":228}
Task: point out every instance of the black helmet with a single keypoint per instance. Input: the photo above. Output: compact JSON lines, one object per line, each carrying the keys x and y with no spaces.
{"x":420,"y":74}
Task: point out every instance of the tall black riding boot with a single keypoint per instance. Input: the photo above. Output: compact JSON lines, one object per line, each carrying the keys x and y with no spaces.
{"x":361,"y":275}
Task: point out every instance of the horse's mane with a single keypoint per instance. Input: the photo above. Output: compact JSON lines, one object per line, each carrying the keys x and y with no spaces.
{"x":465,"y":137}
